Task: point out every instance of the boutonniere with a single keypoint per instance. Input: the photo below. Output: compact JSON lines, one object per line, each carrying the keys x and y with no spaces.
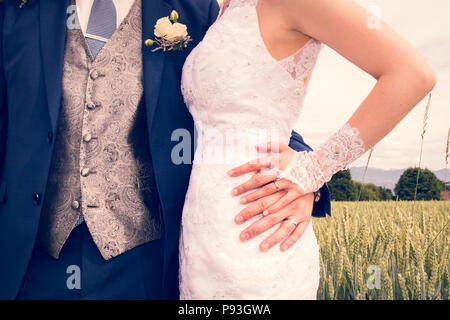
{"x":170,"y":34}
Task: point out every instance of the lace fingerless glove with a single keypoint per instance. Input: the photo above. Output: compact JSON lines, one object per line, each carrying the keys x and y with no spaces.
{"x":310,"y":170}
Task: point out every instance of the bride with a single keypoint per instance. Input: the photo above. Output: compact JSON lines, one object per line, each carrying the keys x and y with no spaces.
{"x":244,"y":84}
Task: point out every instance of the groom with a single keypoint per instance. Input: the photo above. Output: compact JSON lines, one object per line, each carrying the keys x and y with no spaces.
{"x":90,"y":200}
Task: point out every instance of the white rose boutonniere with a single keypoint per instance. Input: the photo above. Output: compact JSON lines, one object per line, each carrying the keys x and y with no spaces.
{"x":170,"y":34}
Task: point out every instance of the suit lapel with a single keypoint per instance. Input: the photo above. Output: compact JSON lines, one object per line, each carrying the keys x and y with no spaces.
{"x":153,"y":62}
{"x":52,"y":35}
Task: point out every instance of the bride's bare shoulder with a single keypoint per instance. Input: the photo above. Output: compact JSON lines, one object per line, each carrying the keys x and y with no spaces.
{"x":347,"y":27}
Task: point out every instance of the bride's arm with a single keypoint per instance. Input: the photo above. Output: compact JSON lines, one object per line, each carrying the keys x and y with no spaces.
{"x":403,"y":79}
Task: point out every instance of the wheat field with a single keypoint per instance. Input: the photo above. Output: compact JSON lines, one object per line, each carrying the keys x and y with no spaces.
{"x":385,"y":250}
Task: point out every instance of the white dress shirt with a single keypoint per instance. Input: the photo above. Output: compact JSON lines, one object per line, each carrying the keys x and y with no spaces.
{"x":84,"y":11}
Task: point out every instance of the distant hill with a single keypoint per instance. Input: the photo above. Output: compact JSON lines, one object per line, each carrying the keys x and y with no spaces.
{"x":387,"y":178}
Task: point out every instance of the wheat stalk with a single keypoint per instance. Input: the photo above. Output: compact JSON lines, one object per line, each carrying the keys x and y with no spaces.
{"x":364,"y":174}
{"x":446,"y":158}
{"x":411,"y":250}
{"x":424,"y":130}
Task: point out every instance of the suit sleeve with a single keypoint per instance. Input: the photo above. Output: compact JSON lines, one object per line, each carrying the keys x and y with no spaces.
{"x":323,"y":206}
{"x":3,"y":100}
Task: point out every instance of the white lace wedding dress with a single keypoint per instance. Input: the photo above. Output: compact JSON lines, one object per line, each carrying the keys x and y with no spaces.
{"x":237,"y":93}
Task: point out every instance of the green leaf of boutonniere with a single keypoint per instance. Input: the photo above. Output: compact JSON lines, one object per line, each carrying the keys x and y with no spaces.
{"x":22,"y":2}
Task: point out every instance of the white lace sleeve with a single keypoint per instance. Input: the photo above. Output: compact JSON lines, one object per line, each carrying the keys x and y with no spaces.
{"x":310,"y":170}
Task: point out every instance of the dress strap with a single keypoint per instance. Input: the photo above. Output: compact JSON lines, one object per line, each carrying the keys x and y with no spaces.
{"x":301,"y":63}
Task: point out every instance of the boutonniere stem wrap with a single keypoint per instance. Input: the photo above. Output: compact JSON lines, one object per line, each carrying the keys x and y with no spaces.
{"x":170,"y":35}
{"x":21,"y":2}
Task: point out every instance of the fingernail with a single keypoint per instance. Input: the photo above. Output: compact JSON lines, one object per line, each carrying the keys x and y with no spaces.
{"x":264,"y":247}
{"x":231,"y":172}
{"x":234,"y":192}
{"x":239,"y":219}
{"x":286,"y":246}
{"x":245,"y":237}
{"x":243,"y":200}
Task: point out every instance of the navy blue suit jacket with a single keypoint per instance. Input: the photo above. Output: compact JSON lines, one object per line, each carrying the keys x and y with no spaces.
{"x":32,"y":41}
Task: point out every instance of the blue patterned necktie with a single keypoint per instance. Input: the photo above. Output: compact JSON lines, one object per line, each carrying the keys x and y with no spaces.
{"x":101,"y":26}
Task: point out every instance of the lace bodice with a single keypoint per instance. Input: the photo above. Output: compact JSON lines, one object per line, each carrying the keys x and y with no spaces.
{"x":230,"y":80}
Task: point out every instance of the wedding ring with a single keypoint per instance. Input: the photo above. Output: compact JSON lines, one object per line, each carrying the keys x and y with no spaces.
{"x":276,"y":185}
{"x":295,"y":223}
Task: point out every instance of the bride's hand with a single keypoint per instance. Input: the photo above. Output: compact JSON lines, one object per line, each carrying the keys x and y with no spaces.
{"x":280,"y":201}
{"x":277,"y":161}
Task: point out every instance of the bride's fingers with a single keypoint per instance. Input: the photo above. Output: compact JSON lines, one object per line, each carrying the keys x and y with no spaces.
{"x":253,"y":165}
{"x":262,"y":225}
{"x":286,"y":228}
{"x":295,"y":235}
{"x":258,"y":207}
{"x":264,"y":191}
{"x":283,"y":202}
{"x":256,"y":181}
{"x":271,"y":147}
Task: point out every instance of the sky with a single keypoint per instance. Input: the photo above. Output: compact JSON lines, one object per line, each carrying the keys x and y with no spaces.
{"x":337,"y":88}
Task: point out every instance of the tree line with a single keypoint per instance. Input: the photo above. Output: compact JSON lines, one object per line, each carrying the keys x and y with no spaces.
{"x":421,"y":184}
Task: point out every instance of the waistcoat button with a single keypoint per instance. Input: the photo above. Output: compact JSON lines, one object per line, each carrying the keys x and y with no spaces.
{"x":94,"y":75}
{"x":36,"y":198}
{"x":75,"y":204}
{"x":49,"y":137}
{"x":91,"y":105}
{"x":85,"y":172}
{"x":87,"y":137}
